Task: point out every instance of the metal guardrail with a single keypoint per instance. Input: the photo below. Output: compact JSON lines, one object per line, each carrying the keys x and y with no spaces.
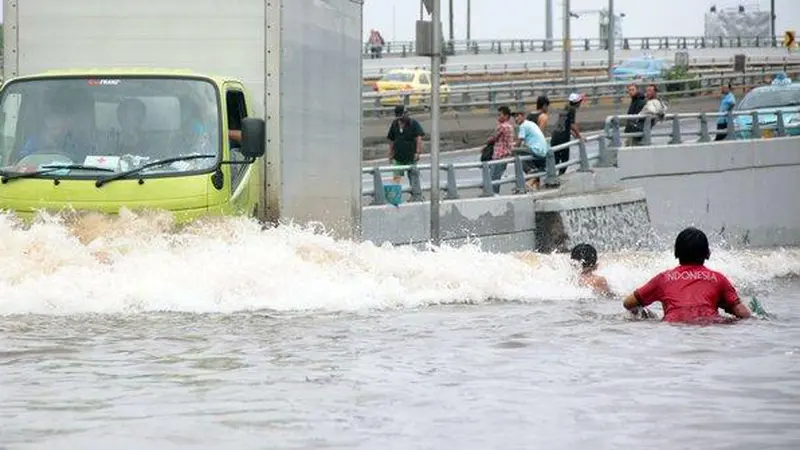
{"x":519,"y":96}
{"x":537,"y":67}
{"x":609,"y":142}
{"x":500,"y":46}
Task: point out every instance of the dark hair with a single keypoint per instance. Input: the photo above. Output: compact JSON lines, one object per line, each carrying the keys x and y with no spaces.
{"x":691,"y":246}
{"x":542,"y":101}
{"x":586,"y":254}
{"x":504,"y":110}
{"x":655,"y":88}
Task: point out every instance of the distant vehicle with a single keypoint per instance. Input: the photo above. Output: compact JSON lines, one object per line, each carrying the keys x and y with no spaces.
{"x":775,"y":97}
{"x":414,"y":81}
{"x":644,"y":68}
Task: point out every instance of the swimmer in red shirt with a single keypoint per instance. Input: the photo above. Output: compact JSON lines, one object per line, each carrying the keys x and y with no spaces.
{"x":586,"y":255}
{"x":690,"y":292}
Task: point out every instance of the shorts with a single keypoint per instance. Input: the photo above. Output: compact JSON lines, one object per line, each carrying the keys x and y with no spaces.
{"x":535,"y":165}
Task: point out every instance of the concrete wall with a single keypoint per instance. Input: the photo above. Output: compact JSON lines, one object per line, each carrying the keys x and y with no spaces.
{"x":503,"y":224}
{"x":748,"y":192}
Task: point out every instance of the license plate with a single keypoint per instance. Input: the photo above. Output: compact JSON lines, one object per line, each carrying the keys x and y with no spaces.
{"x":766,"y":134}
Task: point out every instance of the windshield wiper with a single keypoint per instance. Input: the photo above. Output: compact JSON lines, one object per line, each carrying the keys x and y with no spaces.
{"x":160,"y":162}
{"x":49,"y":168}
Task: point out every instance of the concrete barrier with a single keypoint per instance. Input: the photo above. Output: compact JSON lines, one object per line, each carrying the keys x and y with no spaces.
{"x":743,"y":191}
{"x":503,"y":224}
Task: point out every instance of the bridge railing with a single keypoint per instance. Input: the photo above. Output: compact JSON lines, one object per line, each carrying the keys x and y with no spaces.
{"x":476,"y":70}
{"x":490,"y":97}
{"x":500,"y":46}
{"x":760,"y":125}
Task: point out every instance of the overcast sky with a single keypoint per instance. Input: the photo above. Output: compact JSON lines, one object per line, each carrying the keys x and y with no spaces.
{"x":525,"y":18}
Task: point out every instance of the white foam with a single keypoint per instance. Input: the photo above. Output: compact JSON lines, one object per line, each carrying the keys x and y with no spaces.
{"x":96,"y":264}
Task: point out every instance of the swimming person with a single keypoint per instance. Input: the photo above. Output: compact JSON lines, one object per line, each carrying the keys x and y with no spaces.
{"x":690,"y":293}
{"x":586,"y":255}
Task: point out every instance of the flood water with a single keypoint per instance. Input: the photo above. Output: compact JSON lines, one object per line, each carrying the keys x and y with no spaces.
{"x":127,"y":335}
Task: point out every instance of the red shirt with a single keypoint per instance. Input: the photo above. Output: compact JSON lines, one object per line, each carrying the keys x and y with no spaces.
{"x":689,"y":294}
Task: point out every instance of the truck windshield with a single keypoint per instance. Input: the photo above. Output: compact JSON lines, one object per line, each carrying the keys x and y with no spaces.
{"x":111,"y":123}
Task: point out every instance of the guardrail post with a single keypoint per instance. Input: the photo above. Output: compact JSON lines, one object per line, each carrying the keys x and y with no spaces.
{"x":755,"y":130}
{"x":676,"y":131}
{"x":519,"y":174}
{"x":584,"y":157}
{"x":648,"y":128}
{"x":616,"y":138}
{"x":781,"y":131}
{"x":416,"y":186}
{"x":608,"y":156}
{"x":729,"y":126}
{"x":551,"y":174}
{"x":486,"y":173}
{"x":452,"y":184}
{"x":703,"y":128}
{"x":379,"y":197}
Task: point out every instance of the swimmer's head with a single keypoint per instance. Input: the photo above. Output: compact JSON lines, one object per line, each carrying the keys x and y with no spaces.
{"x":691,"y":246}
{"x":585,"y":254}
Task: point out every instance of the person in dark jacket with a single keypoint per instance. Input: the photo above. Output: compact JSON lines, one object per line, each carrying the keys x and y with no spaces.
{"x":637,"y":104}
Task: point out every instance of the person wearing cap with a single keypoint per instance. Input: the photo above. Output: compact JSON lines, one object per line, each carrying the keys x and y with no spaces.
{"x":405,"y":141}
{"x":566,"y":128}
{"x":691,"y":292}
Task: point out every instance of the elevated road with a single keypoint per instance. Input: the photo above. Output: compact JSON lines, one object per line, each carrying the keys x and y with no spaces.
{"x":583,"y":63}
{"x":405,"y":49}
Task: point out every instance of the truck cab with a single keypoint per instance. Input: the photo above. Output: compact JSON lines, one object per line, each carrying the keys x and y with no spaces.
{"x":102,"y":140}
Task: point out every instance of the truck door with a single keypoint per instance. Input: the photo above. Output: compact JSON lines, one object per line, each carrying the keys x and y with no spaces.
{"x":237,"y":110}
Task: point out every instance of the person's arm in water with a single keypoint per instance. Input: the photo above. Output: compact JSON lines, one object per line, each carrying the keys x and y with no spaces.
{"x":730,"y":301}
{"x":637,"y":301}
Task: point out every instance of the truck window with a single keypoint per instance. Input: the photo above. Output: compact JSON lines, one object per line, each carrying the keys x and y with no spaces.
{"x":237,"y":110}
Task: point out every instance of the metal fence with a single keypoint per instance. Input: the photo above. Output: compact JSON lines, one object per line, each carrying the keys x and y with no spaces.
{"x":609,"y":141}
{"x":489,"y":96}
{"x":500,"y":46}
{"x":533,"y":67}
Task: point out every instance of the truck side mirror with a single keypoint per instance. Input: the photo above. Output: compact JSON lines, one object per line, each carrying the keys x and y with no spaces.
{"x":254,"y":132}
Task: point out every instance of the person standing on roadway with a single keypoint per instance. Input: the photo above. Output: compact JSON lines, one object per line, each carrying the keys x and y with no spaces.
{"x":566,"y":128}
{"x":637,"y":104}
{"x":725,"y":105}
{"x":503,"y":141}
{"x":531,"y":136}
{"x":405,"y":141}
{"x":690,"y":293}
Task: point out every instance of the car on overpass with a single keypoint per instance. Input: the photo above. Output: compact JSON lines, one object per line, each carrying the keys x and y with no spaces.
{"x":766,"y":100}
{"x":416,"y":82}
{"x":644,"y":68}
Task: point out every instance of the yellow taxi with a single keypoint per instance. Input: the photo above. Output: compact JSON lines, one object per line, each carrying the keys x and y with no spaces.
{"x":416,"y":82}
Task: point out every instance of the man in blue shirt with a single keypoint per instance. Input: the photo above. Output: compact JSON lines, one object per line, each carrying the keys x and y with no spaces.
{"x":727,"y":104}
{"x":533,"y":139}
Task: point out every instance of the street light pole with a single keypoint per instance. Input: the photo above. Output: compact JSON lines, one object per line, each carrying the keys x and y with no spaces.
{"x":452,"y":35}
{"x":548,"y":24}
{"x":772,"y":21}
{"x":469,"y":20}
{"x":612,"y":23}
{"x":435,"y":76}
{"x":567,"y":42}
